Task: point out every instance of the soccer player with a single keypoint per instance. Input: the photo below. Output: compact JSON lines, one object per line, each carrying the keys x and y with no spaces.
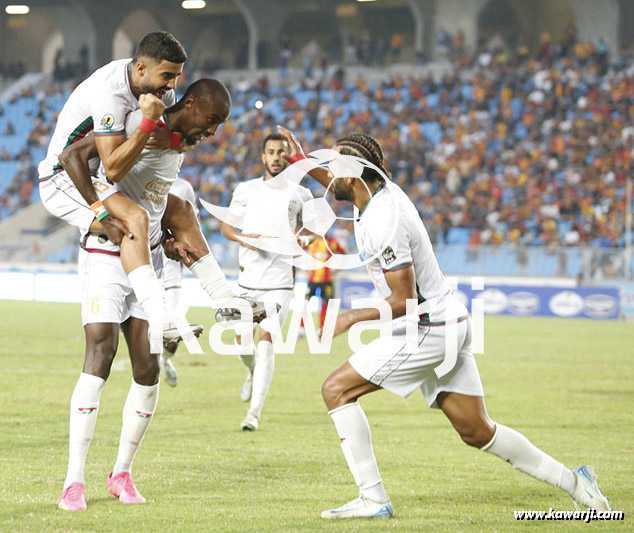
{"x":267,"y":207}
{"x":172,"y":279}
{"x":101,"y":104}
{"x":320,"y":280}
{"x":402,"y":265}
{"x":109,"y":301}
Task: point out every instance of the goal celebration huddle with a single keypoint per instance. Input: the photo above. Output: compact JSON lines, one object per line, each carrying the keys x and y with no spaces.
{"x":112,"y":171}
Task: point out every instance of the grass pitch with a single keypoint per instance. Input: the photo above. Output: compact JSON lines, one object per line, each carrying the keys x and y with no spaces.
{"x":568,"y":385}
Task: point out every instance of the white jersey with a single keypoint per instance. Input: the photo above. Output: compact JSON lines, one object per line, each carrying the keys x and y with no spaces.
{"x":268,"y":211}
{"x":183,"y":189}
{"x":147,"y":183}
{"x":390,"y":233}
{"x":100,"y":103}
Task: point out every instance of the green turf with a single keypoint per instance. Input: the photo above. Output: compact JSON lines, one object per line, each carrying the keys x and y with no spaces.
{"x":568,"y":385}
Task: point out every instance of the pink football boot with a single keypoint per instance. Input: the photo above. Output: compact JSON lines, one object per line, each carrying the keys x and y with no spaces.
{"x":73,"y":498}
{"x":121,"y":486}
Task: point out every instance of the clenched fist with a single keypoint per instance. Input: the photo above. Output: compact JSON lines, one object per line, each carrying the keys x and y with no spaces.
{"x":151,"y":106}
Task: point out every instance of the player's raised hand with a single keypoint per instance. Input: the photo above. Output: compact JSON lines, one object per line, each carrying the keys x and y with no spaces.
{"x":296,"y":147}
{"x":115,"y":229}
{"x":151,"y":106}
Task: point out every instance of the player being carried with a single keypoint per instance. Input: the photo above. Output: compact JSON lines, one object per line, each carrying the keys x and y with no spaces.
{"x":101,"y":104}
{"x":265,"y":206}
{"x":108,"y":299}
{"x":391,"y":236}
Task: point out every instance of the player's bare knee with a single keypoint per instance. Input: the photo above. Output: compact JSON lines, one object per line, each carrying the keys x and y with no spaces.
{"x":99,"y":357}
{"x":146,"y":372}
{"x":334,"y":392}
{"x":476,"y":433}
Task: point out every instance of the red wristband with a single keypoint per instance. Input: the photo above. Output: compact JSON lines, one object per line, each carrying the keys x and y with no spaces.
{"x":175,"y":139}
{"x":147,"y":125}
{"x":295,"y":158}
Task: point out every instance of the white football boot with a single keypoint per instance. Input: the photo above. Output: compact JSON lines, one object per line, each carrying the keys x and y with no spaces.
{"x":361,"y":508}
{"x":247,"y":387}
{"x":250,"y":422}
{"x":171,"y":334}
{"x":587,"y":493}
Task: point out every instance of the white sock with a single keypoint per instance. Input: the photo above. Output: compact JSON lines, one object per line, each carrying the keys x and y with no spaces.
{"x":150,"y":294}
{"x":262,"y":376}
{"x":248,"y":358}
{"x":515,"y":448}
{"x":137,"y":414}
{"x":84,"y":406}
{"x":211,"y":278}
{"x":356,"y":444}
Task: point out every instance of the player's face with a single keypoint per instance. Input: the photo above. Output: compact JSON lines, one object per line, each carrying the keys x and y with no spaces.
{"x":158,"y":77}
{"x":203,"y":118}
{"x":273,"y":157}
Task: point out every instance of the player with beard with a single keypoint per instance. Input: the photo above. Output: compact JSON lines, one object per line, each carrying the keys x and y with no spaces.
{"x":266,"y":207}
{"x":101,"y":104}
{"x":401,"y":263}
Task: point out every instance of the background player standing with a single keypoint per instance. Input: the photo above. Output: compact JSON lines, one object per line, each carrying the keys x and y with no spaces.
{"x":321,"y":280}
{"x":265,"y":209}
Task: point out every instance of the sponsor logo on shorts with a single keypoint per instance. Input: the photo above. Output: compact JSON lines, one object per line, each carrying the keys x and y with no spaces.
{"x":566,"y":303}
{"x":599,"y":305}
{"x":523,"y":303}
{"x":107,"y":121}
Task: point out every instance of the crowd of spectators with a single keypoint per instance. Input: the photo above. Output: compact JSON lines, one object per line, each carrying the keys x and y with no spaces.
{"x":510,"y":146}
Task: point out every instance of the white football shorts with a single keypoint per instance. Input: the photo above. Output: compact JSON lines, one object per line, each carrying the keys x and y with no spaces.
{"x":106,"y":293}
{"x":386,"y":362}
{"x":62,"y":199}
{"x":282,"y":297}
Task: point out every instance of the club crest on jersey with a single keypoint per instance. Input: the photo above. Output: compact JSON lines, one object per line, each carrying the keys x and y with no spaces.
{"x":388,"y":255}
{"x":107,"y":121}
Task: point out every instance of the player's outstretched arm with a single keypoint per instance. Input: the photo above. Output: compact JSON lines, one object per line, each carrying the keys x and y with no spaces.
{"x":119,"y":154}
{"x":297,"y":153}
{"x":402,"y":282}
{"x":75,"y":160}
{"x":234,"y":234}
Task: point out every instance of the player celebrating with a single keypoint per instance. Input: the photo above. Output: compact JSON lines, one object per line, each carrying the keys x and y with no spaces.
{"x":266,"y":208}
{"x":101,"y":104}
{"x":108,"y":299}
{"x":402,"y":265}
{"x":320,"y":280}
{"x":172,"y":279}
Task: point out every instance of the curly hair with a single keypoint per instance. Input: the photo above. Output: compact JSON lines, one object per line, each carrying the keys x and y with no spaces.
{"x":365,"y":147}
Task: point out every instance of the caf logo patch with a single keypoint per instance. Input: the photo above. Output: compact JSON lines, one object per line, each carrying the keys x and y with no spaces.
{"x":388,"y":255}
{"x":107,"y":121}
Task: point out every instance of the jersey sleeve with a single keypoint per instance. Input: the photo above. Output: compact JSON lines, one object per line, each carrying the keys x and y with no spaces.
{"x":304,"y":194}
{"x":239,"y":200}
{"x":392,"y":246}
{"x":132,"y":121}
{"x":108,"y":114}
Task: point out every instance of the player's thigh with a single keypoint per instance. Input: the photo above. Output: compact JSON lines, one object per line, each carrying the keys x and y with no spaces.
{"x":121,"y":206}
{"x":104,"y":288}
{"x":463,"y":378}
{"x":62,"y":199}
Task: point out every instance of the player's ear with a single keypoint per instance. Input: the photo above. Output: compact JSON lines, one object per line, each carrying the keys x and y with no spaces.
{"x":141,"y":68}
{"x":189,"y":102}
{"x":263,"y":159}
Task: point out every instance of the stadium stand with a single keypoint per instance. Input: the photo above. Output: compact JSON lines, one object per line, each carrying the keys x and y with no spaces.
{"x":528,"y":150}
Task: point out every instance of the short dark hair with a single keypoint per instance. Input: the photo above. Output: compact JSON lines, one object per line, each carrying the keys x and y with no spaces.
{"x":273,"y":137}
{"x":161,"y":45}
{"x":210,"y":90}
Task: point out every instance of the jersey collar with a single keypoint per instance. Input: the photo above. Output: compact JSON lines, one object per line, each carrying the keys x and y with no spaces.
{"x":128,"y":77}
{"x":376,"y":191}
{"x":167,"y":122}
